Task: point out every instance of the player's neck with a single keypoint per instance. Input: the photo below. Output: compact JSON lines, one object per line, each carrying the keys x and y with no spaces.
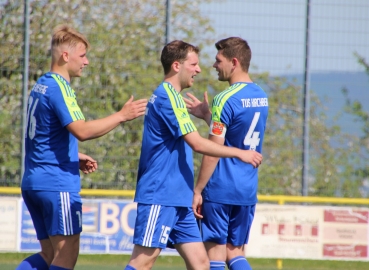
{"x":175,"y":83}
{"x":241,"y":77}
{"x":65,"y":74}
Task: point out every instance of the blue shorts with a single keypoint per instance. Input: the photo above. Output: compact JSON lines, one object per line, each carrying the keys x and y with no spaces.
{"x":54,"y":213}
{"x":223,"y":223}
{"x":160,"y":226}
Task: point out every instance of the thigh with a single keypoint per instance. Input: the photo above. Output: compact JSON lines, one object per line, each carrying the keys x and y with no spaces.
{"x":186,"y":229}
{"x":214,"y":225}
{"x":153,"y":225}
{"x":241,"y":218}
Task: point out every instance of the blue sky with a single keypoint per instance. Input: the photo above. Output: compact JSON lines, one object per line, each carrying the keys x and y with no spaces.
{"x":275,"y":30}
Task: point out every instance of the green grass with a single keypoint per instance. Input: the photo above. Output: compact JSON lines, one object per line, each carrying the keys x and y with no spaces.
{"x":8,"y":261}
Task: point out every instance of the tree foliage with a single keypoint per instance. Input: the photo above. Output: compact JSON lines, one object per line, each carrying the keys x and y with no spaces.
{"x":127,"y":38}
{"x":360,"y":174}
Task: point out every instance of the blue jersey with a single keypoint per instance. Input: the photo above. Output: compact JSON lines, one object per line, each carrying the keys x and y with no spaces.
{"x":51,"y":161}
{"x":239,"y":114}
{"x":165,"y":172}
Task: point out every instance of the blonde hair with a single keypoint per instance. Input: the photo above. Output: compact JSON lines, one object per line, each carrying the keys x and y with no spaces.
{"x":64,"y":34}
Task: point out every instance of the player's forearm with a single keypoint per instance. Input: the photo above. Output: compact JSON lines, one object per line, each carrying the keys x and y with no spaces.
{"x":95,"y":128}
{"x":209,"y":148}
{"x":207,"y":118}
{"x":207,"y":168}
{"x":81,"y":156}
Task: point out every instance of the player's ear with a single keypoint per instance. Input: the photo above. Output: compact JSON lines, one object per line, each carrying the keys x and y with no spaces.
{"x":65,"y":56}
{"x":175,"y":66}
{"x":235,"y":62}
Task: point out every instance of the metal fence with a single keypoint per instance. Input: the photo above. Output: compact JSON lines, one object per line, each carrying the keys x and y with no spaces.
{"x":318,"y":44}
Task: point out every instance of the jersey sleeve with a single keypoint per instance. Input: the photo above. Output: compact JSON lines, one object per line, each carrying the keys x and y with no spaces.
{"x":175,"y":114}
{"x":222,"y":113}
{"x":64,"y":102}
{"x":221,"y":117}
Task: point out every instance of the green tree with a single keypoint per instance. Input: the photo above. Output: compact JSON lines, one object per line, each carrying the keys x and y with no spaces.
{"x":126,"y":38}
{"x":360,"y":174}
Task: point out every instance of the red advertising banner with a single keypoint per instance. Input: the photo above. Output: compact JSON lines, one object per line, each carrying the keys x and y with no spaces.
{"x":345,"y":251}
{"x":346,"y":216}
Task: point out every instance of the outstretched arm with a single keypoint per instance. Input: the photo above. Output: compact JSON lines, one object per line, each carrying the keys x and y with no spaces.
{"x":198,"y":108}
{"x":87,"y":130}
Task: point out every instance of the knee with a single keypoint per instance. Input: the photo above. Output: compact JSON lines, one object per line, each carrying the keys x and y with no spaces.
{"x":47,"y":255}
{"x":204,"y":264}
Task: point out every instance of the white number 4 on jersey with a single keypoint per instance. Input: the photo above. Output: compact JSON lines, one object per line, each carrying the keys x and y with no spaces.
{"x":252,"y":137}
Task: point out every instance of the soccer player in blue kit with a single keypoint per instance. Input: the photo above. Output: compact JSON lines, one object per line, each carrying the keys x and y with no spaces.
{"x":164,"y":189}
{"x":51,"y":181}
{"x":226,"y":190}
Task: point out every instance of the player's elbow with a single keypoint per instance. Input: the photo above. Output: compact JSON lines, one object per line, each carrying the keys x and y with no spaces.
{"x":81,"y":137}
{"x":195,"y":141}
{"x":80,"y":130}
{"x":81,"y":134}
{"x":196,"y":146}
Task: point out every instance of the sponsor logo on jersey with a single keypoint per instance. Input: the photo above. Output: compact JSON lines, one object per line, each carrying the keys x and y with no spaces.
{"x":215,"y":116}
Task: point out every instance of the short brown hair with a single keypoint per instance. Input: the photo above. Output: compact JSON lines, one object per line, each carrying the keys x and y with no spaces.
{"x":176,"y":50}
{"x":64,"y":34}
{"x":235,"y":47}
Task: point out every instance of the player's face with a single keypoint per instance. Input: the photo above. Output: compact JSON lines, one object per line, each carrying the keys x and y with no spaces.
{"x":223,"y":66}
{"x":188,"y":70}
{"x":77,"y":60}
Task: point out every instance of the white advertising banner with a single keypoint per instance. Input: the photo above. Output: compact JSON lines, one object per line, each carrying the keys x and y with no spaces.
{"x":309,"y":232}
{"x":278,"y":231}
{"x":9,"y":223}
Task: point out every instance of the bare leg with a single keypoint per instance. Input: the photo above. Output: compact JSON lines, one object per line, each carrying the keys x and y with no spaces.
{"x":66,"y":250}
{"x":194,"y":255}
{"x":47,"y":251}
{"x":143,"y":258}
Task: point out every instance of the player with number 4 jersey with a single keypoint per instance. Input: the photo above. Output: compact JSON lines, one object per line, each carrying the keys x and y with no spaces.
{"x":239,"y":115}
{"x":226,"y":190}
{"x":165,"y":175}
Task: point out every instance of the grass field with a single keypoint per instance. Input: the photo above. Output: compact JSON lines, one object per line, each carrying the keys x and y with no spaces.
{"x":8,"y":261}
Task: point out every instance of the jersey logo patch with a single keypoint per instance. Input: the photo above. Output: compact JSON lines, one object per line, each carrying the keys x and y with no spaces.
{"x":217,"y":128}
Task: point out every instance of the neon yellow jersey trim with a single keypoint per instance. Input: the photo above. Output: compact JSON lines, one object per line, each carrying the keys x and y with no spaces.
{"x":180,"y":110}
{"x":69,"y":98}
{"x":221,"y":98}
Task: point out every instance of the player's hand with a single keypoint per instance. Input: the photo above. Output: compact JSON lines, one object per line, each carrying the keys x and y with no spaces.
{"x":197,"y":205}
{"x":196,"y":107}
{"x":252,"y":157}
{"x":86,"y":163}
{"x":133,"y":109}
